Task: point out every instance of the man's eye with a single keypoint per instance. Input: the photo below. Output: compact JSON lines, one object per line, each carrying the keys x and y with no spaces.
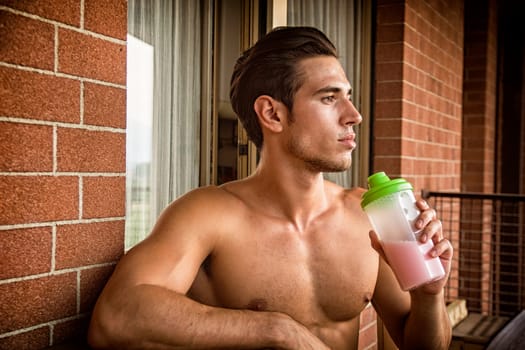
{"x":328,"y":99}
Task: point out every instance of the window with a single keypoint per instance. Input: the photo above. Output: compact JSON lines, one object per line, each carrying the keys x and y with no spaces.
{"x":167,"y":35}
{"x":138,"y":138}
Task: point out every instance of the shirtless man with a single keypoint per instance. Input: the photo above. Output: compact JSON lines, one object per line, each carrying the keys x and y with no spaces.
{"x":282,"y":259}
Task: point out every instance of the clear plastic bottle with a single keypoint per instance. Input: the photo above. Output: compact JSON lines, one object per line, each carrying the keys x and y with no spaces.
{"x":390,"y":206}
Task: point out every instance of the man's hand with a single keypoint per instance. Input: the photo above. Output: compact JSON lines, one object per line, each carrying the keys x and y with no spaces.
{"x":296,"y":336}
{"x":431,"y":228}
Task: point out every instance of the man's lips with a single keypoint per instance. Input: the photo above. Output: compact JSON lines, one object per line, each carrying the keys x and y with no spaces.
{"x":348,"y":140}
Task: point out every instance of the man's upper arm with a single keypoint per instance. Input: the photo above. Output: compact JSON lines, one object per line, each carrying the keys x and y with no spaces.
{"x":391,"y":303}
{"x":178,"y":244}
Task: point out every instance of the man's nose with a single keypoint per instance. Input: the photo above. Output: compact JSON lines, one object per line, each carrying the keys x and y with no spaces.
{"x":351,"y":115}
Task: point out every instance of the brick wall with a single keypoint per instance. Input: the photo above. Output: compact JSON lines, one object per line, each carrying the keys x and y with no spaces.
{"x":368,"y":329}
{"x":418,"y":92}
{"x":479,"y":96}
{"x":62,"y":163}
{"x":479,"y":145}
{"x":417,"y":122}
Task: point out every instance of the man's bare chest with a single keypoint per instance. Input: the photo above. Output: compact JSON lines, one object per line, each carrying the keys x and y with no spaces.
{"x":319,"y":277}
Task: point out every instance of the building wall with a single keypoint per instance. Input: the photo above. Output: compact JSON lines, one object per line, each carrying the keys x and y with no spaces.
{"x":418,"y":92}
{"x":62,"y":163}
{"x":479,"y":142}
{"x":479,"y":96}
{"x":417,"y":121}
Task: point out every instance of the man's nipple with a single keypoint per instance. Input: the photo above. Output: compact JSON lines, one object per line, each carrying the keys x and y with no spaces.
{"x":257,"y":305}
{"x":368,"y":297}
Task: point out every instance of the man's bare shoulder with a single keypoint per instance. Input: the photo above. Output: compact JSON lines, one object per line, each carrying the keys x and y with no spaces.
{"x":354,"y":193}
{"x":200,"y":212}
{"x":349,"y":195}
{"x":207,"y":199}
{"x":186,"y":232}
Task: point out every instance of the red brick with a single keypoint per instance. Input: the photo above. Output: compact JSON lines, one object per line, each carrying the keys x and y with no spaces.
{"x":415,"y":131}
{"x":104,"y":105}
{"x":36,"y":301}
{"x":385,"y":2}
{"x":25,"y":147}
{"x":411,"y":109}
{"x":65,"y":11}
{"x":92,"y":281}
{"x":390,"y":32}
{"x":423,"y":62}
{"x":389,"y":71}
{"x":25,"y":252}
{"x":430,"y":85}
{"x":392,"y":13}
{"x":410,"y":55}
{"x":26,"y":42}
{"x":82,"y":150}
{"x":81,"y":244}
{"x":367,"y":317}
{"x":31,"y":340}
{"x":86,"y":56}
{"x":104,"y":197}
{"x":410,"y":74}
{"x":368,"y":336}
{"x":420,"y":97}
{"x":389,"y":164}
{"x":387,"y":146}
{"x":389,"y":90}
{"x":71,"y":331}
{"x":38,"y":96}
{"x":387,"y":128}
{"x":107,"y":17}
{"x":411,"y":14}
{"x":388,"y":109}
{"x":408,"y":168}
{"x":389,"y":52}
{"x":27,"y":199}
{"x":423,"y":150}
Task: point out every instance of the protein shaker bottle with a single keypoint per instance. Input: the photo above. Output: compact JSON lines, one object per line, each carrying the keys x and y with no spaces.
{"x":390,"y":206}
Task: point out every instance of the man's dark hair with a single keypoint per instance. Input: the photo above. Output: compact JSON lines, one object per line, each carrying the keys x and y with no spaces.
{"x":270,"y":67}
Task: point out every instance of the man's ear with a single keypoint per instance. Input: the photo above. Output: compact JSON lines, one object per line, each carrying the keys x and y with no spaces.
{"x":269,"y":111}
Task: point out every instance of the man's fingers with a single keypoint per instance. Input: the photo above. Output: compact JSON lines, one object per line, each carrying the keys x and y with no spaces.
{"x":376,"y":244}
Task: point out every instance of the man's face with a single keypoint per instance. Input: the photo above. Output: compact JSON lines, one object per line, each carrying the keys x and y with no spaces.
{"x":321,"y":134}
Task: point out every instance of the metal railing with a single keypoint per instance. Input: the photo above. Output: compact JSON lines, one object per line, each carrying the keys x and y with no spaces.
{"x":487,"y":232}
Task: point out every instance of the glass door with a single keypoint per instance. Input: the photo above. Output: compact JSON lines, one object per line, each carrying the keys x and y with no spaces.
{"x":239,"y":24}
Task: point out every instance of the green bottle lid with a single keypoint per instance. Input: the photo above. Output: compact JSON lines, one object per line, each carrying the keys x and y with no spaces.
{"x":380,"y":185}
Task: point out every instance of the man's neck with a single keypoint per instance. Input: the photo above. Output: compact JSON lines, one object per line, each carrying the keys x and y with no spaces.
{"x":298,"y":195}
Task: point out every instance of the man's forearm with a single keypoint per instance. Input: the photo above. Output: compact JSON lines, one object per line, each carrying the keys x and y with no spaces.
{"x":154,"y":317}
{"x":428,"y":325}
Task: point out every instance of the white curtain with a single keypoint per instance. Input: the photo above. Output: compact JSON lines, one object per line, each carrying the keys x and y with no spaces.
{"x":341,"y":21}
{"x":173,"y":28}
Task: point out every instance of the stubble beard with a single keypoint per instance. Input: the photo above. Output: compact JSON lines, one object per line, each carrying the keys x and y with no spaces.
{"x":318,"y":163}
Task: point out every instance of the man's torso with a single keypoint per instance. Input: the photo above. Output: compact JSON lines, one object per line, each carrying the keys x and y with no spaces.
{"x":322,"y":275}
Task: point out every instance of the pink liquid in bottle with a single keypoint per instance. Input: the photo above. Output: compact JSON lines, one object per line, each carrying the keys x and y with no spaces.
{"x":390,"y":206}
{"x":411,"y":262}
